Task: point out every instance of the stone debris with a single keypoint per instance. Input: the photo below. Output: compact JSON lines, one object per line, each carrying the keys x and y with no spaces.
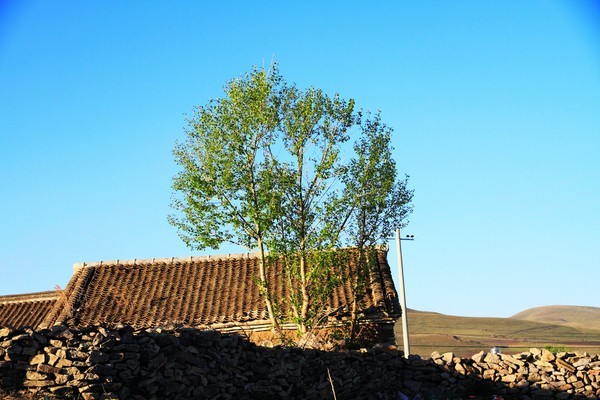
{"x":123,"y":363}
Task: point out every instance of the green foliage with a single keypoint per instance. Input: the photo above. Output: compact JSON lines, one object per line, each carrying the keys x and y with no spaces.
{"x":556,"y":349}
{"x":295,"y":174}
{"x":228,"y":193}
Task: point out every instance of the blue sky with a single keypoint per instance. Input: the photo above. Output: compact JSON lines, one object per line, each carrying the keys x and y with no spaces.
{"x":495,"y":107}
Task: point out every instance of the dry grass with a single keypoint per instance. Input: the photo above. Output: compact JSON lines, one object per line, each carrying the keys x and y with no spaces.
{"x":466,"y":336}
{"x":573,"y":316}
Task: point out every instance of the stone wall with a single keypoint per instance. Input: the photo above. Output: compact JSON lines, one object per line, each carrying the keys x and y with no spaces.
{"x":536,"y":373}
{"x":98,"y":363}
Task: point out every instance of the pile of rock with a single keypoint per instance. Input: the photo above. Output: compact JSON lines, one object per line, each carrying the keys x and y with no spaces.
{"x":537,"y":373}
{"x":100,"y":363}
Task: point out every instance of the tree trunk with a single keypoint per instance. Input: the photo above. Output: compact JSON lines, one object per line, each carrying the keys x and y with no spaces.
{"x":267,"y":292}
{"x":353,"y":320}
{"x":358,"y":287}
{"x":305,"y":295}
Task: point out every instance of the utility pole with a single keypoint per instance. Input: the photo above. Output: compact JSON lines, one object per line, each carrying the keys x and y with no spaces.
{"x":406,"y":341}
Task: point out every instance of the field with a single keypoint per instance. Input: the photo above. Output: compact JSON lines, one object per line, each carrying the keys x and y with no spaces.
{"x":466,"y":336}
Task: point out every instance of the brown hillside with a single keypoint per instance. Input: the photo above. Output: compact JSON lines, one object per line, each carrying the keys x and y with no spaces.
{"x":466,"y":336}
{"x":574,"y":316}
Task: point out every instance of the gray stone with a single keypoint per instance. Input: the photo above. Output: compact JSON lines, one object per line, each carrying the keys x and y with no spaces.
{"x":29,"y":351}
{"x":543,"y":364}
{"x":547,"y":355}
{"x":38,"y":359}
{"x":97,"y":357}
{"x":35,"y":376}
{"x":62,"y":379}
{"x":492,"y":358}
{"x":534,"y":377}
{"x":581,"y":363}
{"x":478,"y":357}
{"x":535,"y":353}
{"x":523,"y":383}
{"x":63,"y":362}
{"x":572,"y":379}
{"x":74,"y":354}
{"x":563,"y":364}
{"x":578,"y":384}
{"x":489,"y":374}
{"x":61,"y":391}
{"x":47,"y":369}
{"x":512,"y":360}
{"x":448,"y":357}
{"x":38,"y":384}
{"x":413,"y":386}
{"x":460,"y":368}
{"x":5,"y":332}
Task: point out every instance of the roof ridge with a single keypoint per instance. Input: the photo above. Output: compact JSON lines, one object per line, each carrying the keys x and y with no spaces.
{"x":25,"y":297}
{"x":167,"y":260}
{"x":172,"y":260}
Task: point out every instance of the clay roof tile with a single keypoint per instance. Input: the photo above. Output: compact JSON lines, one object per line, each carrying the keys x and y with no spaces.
{"x":197,"y":291}
{"x":26,"y":309}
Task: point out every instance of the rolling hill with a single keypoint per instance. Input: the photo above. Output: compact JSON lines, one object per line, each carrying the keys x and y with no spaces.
{"x":574,"y":316}
{"x":466,"y":336}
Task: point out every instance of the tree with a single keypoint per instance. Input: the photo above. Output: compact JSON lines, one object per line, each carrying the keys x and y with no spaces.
{"x":378,"y":200}
{"x":294,"y":175}
{"x":313,"y":130}
{"x":228,"y":194}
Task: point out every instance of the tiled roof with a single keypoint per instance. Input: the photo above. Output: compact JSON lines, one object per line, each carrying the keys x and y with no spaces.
{"x":26,"y":309}
{"x":218,"y":292}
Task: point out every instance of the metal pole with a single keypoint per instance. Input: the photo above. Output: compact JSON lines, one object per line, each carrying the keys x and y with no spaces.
{"x":406,"y":341}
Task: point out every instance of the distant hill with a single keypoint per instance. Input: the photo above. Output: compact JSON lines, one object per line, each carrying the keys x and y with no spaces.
{"x":466,"y":336}
{"x":574,"y":316}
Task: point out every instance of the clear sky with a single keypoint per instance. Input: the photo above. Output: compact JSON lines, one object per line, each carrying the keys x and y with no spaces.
{"x":495,"y":107}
